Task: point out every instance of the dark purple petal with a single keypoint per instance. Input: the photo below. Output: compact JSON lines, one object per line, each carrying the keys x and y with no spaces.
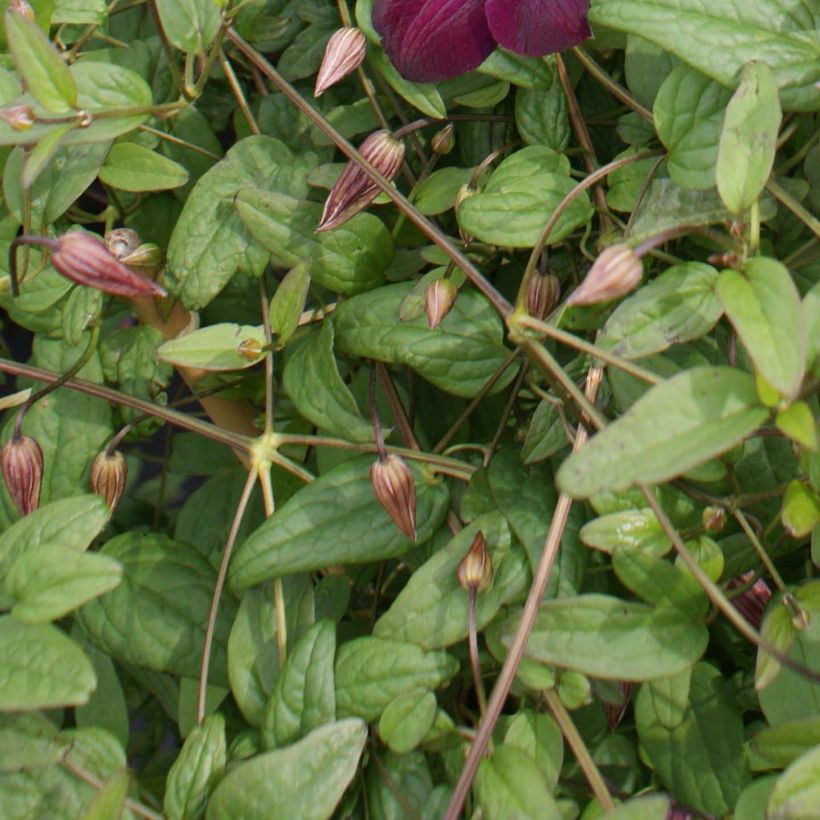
{"x":538,"y":27}
{"x":430,"y":40}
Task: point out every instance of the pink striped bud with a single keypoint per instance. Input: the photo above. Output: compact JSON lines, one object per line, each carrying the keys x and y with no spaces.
{"x":18,"y":117}
{"x":396,"y":491}
{"x":439,"y":297}
{"x":615,"y":272}
{"x":543,"y":293}
{"x":108,"y":475}
{"x":354,"y":190}
{"x":22,"y":8}
{"x":21,"y":459}
{"x":344,"y":53}
{"x":475,"y":571}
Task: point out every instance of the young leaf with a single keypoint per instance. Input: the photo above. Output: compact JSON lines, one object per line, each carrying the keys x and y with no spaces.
{"x":539,"y":737}
{"x":190,"y":25}
{"x":222,"y":346}
{"x":797,"y":791}
{"x":288,"y":302}
{"x":635,"y":529}
{"x":407,"y":719}
{"x":132,"y":167}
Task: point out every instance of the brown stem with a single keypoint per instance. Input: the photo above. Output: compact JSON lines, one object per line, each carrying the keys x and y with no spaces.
{"x":472,"y":636}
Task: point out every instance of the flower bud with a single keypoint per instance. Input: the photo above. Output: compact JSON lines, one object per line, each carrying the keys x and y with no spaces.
{"x":714,"y":519}
{"x":543,"y":293}
{"x":18,"y":117}
{"x":751,"y":602}
{"x":21,"y":459}
{"x":122,"y":241}
{"x":354,"y":190}
{"x":107,"y":479}
{"x":396,"y":490}
{"x":84,"y":259}
{"x":22,"y":8}
{"x":475,"y":572}
{"x":439,"y":297}
{"x":444,"y":141}
{"x":344,"y":53}
{"x":615,"y":272}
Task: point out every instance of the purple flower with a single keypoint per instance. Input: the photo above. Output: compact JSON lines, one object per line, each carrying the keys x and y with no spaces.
{"x":430,"y":40}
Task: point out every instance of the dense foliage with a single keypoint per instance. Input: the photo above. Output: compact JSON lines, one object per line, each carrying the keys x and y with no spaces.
{"x":497,"y":497}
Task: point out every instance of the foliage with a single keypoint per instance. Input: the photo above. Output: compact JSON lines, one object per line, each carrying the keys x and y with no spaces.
{"x":248,"y":633}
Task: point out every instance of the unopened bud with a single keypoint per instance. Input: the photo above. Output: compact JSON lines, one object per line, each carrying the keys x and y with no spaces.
{"x":543,"y":293}
{"x":122,"y":241}
{"x":84,"y":259}
{"x":439,"y":297}
{"x":108,"y":475}
{"x":250,"y":349}
{"x":615,"y":272}
{"x":18,"y":117}
{"x":22,"y":8}
{"x":476,"y":568}
{"x":752,"y":602}
{"x":714,"y":519}
{"x":355,"y":190}
{"x":21,"y":459}
{"x":396,"y":490}
{"x":464,"y":192}
{"x":344,"y":53}
{"x":444,"y":141}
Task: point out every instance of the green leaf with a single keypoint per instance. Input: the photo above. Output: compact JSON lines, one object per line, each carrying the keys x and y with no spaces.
{"x":288,"y":302}
{"x":224,"y":346}
{"x":42,"y":68}
{"x":646,"y":807}
{"x":431,"y":610}
{"x":546,"y":434}
{"x":132,"y":167}
{"x":537,"y":735}
{"x":719,"y":39}
{"x":797,"y":422}
{"x":541,"y":116}
{"x":199,"y":767}
{"x":253,"y":645}
{"x":797,"y":791}
{"x":82,"y":307}
{"x":304,"y":698}
{"x":90,"y":12}
{"x":510,"y":784}
{"x":371,"y":672}
{"x":751,"y":804}
{"x":688,"y":116}
{"x":50,"y":581}
{"x":42,"y":153}
{"x":764,"y":306}
{"x":109,"y":800}
{"x":633,"y":529}
{"x":156,"y":617}
{"x":678,"y":306}
{"x":459,"y":356}
{"x":29,"y":655}
{"x":782,"y":744}
{"x":701,"y":760}
{"x":800,"y":513}
{"x":28,"y":741}
{"x":811,"y":311}
{"x":673,"y":427}
{"x":424,"y":96}
{"x":438,"y":192}
{"x":312,"y":381}
{"x":511,"y":210}
{"x":411,"y":781}
{"x":210,"y":242}
{"x":613,"y":639}
{"x":749,"y":138}
{"x":190,"y":25}
{"x":348,"y":259}
{"x":335,"y":519}
{"x":406,"y":720}
{"x":305,"y":780}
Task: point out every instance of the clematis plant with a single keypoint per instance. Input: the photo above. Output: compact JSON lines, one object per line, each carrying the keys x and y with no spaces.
{"x":431,"y":40}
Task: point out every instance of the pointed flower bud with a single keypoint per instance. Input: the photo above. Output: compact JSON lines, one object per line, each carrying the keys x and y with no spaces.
{"x":543,"y":293}
{"x":439,"y":297}
{"x":354,"y":190}
{"x":752,"y":602}
{"x":615,"y":272}
{"x":714,"y":519}
{"x":108,"y":475}
{"x":22,"y":8}
{"x":344,"y":53}
{"x":396,"y":490}
{"x":84,"y":259}
{"x":21,"y":460}
{"x":18,"y":117}
{"x":444,"y":141}
{"x":476,"y":568}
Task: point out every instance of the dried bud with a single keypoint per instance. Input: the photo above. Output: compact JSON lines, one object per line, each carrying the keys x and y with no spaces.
{"x":344,"y":53}
{"x":439,"y":297}
{"x":615,"y":272}
{"x":21,"y":460}
{"x":122,"y":241}
{"x":714,"y":519}
{"x":396,"y":490}
{"x":354,"y":190}
{"x":18,"y":117}
{"x":22,"y":8}
{"x":250,"y":349}
{"x":751,"y":602}
{"x":84,"y":259}
{"x":444,"y":141}
{"x":108,"y":475}
{"x":543,"y":293}
{"x":476,"y":568}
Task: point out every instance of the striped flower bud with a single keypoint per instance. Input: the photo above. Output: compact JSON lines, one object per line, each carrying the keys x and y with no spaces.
{"x":439,"y":297}
{"x":344,"y":53}
{"x":543,"y":293}
{"x":21,"y":459}
{"x":445,"y":140}
{"x":475,"y":572}
{"x":355,"y":190}
{"x":109,"y":472}
{"x":18,"y":117}
{"x":396,"y":491}
{"x":615,"y":272}
{"x":84,"y":259}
